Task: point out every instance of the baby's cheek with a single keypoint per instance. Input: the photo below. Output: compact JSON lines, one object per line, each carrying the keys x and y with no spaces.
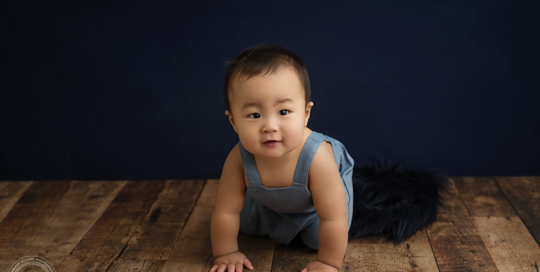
{"x":249,"y":142}
{"x":295,"y":137}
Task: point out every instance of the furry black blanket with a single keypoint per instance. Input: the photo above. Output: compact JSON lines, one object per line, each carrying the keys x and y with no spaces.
{"x":392,"y":201}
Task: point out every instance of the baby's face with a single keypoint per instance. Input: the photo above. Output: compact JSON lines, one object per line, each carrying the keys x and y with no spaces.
{"x":269,"y":113}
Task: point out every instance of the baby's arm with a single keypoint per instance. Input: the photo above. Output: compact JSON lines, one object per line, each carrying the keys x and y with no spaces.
{"x":226,"y":216}
{"x":330,"y":203}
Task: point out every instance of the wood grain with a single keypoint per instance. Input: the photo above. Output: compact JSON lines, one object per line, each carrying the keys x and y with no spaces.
{"x":108,"y":236}
{"x":77,"y":211}
{"x":194,"y":249}
{"x":483,"y":197}
{"x":509,"y":244}
{"x":455,"y":241}
{"x":157,"y":234}
{"x":259,"y":250}
{"x":58,"y":215}
{"x":33,"y":211}
{"x":138,"y":266}
{"x":10,"y":192}
{"x":524,"y":194}
{"x":293,"y":257}
{"x":377,"y":254}
{"x":24,"y":222}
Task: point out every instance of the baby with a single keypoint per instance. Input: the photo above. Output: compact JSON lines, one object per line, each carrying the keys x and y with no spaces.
{"x":282,"y":179}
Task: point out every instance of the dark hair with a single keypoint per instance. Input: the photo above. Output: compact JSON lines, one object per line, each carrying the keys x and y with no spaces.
{"x":265,"y":59}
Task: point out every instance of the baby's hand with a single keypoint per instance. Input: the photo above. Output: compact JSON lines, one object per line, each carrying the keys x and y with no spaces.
{"x":317,"y":266}
{"x":231,"y":261}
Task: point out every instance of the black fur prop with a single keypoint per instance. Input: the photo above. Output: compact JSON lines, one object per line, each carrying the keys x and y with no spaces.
{"x":392,"y":201}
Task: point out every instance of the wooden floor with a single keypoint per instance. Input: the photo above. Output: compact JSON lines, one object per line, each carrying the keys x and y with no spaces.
{"x":488,"y":224}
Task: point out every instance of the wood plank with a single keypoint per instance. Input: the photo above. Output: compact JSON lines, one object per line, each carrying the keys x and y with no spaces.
{"x":32,"y":212}
{"x":194,"y":249}
{"x":377,"y":254}
{"x":139,"y":266}
{"x":157,"y":234}
{"x":259,"y":250}
{"x":520,"y":187}
{"x":108,"y":236}
{"x":483,"y":197}
{"x":77,"y":211}
{"x":293,"y":257}
{"x":454,"y":238}
{"x":510,"y":244}
{"x":53,"y":226}
{"x":524,"y":194}
{"x":10,"y":192}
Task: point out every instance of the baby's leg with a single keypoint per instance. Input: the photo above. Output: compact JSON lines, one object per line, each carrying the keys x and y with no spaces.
{"x":310,"y":235}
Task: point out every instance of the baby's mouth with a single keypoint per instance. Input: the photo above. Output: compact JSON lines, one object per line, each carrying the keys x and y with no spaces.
{"x":271,"y":143}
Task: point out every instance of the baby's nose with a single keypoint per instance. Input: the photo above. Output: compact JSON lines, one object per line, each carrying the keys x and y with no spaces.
{"x":271,"y":125}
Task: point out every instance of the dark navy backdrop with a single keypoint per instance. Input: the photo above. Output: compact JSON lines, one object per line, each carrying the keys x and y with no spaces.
{"x":133,"y":89}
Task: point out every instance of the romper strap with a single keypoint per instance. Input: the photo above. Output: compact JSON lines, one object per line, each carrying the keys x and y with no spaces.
{"x":311,"y":146}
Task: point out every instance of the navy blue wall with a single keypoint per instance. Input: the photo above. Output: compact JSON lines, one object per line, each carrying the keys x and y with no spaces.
{"x":133,"y":89}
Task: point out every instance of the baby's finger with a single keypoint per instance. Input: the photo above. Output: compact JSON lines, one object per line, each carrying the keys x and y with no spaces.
{"x":222,"y":267}
{"x":247,"y":263}
{"x":214,"y":268}
{"x":231,"y":267}
{"x":239,"y":267}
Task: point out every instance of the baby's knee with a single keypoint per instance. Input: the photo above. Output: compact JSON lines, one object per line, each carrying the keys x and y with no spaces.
{"x":310,"y":237}
{"x":311,"y":247}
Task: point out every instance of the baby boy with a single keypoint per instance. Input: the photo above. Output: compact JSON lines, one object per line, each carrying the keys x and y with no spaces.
{"x":281,"y":179}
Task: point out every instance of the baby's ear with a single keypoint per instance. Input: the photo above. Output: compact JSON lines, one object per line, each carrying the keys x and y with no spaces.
{"x":231,"y":119}
{"x":308,"y":112}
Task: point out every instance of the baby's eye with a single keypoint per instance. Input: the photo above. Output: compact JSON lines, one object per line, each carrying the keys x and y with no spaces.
{"x":254,"y":115}
{"x":283,"y":112}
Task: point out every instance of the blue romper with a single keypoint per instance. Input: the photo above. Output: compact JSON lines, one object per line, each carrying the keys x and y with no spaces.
{"x":282,"y":213}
